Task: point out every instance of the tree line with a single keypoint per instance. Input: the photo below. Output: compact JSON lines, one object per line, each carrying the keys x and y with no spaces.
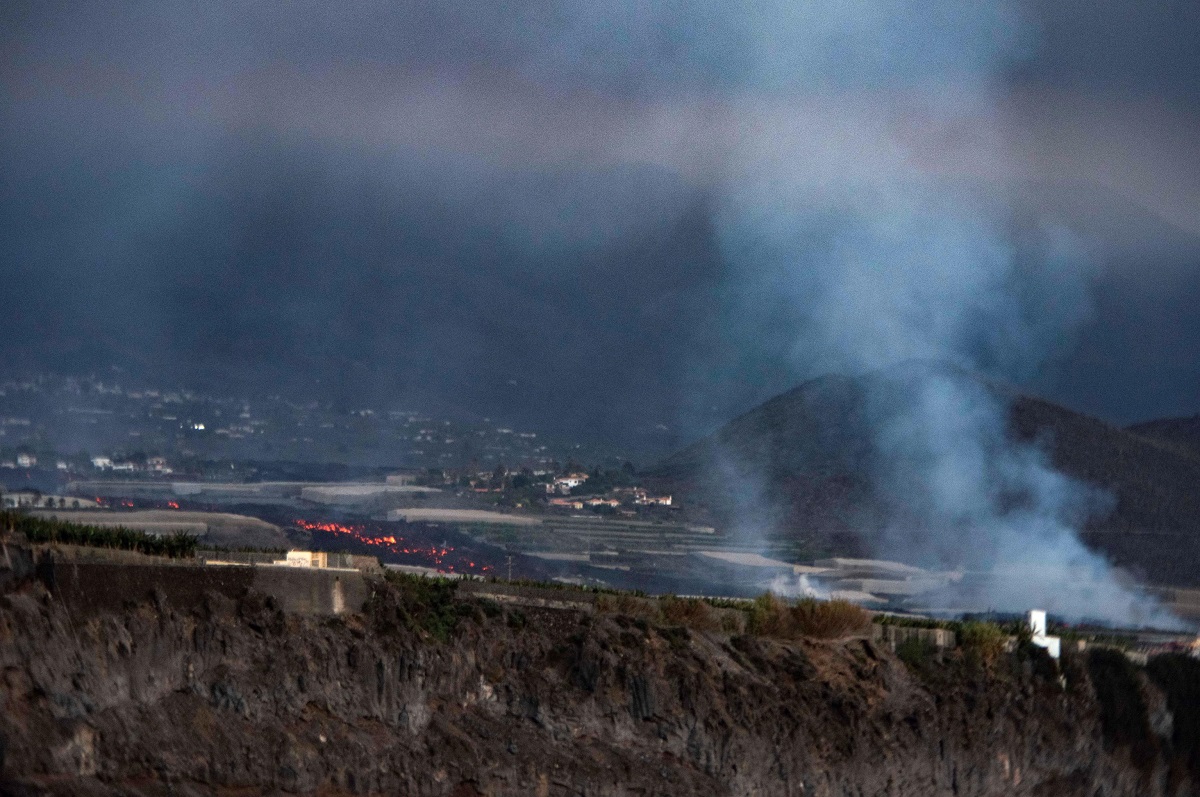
{"x":52,"y":530}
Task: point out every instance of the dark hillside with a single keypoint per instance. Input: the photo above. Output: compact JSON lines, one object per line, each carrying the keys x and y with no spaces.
{"x":806,"y":454}
{"x":1181,"y":432}
{"x":802,"y":455}
{"x":1154,"y":528}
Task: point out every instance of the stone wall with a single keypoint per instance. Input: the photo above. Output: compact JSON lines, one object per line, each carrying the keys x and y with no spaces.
{"x":894,"y":635}
{"x":88,"y":588}
{"x":317,"y":591}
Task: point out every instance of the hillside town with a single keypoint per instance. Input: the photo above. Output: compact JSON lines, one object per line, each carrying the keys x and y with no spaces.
{"x":69,"y":423}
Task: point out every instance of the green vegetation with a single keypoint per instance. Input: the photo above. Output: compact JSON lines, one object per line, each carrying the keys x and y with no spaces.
{"x":50,"y":530}
{"x":424,"y":605}
{"x":982,"y":643}
{"x":917,"y":622}
{"x":561,"y":587}
{"x":772,"y":616}
{"x":1105,"y":637}
{"x":918,"y":654}
{"x":829,"y":619}
{"x":220,"y":549}
{"x":698,"y":614}
{"x":768,"y":615}
{"x":491,"y":609}
{"x":602,"y":481}
{"x":688,"y":612}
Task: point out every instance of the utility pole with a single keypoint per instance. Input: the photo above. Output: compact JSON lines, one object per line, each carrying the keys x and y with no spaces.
{"x":509,"y":557}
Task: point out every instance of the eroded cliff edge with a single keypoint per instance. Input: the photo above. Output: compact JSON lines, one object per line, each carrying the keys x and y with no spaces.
{"x":235,"y":696}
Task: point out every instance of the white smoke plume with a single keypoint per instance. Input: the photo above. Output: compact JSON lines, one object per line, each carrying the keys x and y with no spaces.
{"x":915,"y":277}
{"x":871,"y":262}
{"x":800,"y":586}
{"x":850,"y":239}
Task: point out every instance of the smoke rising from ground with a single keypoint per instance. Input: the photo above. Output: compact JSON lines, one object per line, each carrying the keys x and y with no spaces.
{"x":914,"y":275}
{"x":485,"y":203}
{"x":966,"y":496}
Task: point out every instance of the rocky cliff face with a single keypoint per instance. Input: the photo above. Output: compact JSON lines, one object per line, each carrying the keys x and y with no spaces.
{"x":236,"y":697}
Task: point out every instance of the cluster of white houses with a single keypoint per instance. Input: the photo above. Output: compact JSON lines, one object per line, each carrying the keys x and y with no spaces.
{"x":153,"y":464}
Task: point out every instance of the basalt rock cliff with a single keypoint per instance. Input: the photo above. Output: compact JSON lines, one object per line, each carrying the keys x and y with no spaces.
{"x":234,"y":697}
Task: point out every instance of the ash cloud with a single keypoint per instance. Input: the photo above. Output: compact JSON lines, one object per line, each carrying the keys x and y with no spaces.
{"x":638,"y":213}
{"x":923,"y":291}
{"x":922,"y":285}
{"x":267,"y":195}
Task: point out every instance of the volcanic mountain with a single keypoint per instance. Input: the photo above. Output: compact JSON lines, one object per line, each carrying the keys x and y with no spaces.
{"x":800,"y":469}
{"x":1183,"y":433}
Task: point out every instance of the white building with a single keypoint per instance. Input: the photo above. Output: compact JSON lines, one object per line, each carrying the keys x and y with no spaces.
{"x":158,"y":465}
{"x":1037,"y":626}
{"x":305,"y":559}
{"x":564,"y":484}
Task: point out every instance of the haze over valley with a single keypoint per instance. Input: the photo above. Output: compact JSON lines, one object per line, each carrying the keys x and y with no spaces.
{"x":559,"y":397}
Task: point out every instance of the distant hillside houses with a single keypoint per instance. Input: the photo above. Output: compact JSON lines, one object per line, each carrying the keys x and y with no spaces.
{"x":620,"y":496}
{"x":20,"y":461}
{"x":640,"y":497}
{"x":153,"y":464}
{"x":563,"y":485}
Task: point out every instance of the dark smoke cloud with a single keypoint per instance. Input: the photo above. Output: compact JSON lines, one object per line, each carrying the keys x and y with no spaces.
{"x":399,"y":202}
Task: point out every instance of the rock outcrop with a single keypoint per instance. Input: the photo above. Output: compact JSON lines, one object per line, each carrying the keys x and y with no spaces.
{"x":234,"y":696}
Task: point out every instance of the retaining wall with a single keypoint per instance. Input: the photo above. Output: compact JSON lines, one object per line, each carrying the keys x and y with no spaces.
{"x":93,"y":587}
{"x":894,"y":635}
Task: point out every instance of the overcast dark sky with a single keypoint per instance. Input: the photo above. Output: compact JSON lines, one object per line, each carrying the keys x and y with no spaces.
{"x":539,"y":210}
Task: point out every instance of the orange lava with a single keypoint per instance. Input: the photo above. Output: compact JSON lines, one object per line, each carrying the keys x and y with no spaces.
{"x":396,"y":545}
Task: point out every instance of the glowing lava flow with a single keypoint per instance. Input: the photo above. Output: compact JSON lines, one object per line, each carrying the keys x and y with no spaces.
{"x":435,"y":554}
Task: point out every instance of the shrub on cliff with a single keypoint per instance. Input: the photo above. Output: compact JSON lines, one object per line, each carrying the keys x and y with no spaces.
{"x":772,"y":616}
{"x":424,"y":605}
{"x":829,"y":619}
{"x":688,"y":612}
{"x":982,"y":643}
{"x":630,"y":605}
